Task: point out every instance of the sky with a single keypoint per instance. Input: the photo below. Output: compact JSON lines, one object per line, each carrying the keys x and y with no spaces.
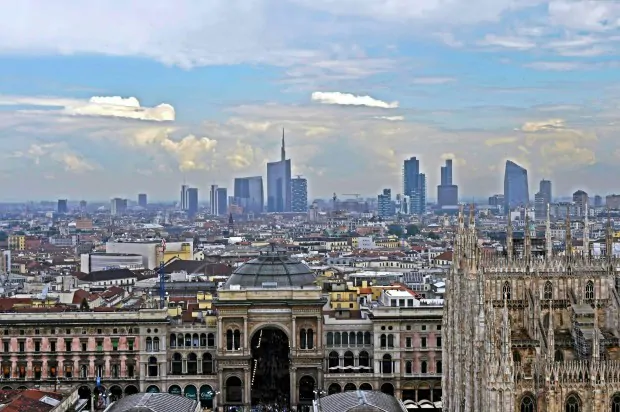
{"x":111,"y":98}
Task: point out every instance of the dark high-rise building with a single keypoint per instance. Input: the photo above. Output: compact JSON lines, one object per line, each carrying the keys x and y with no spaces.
{"x":414,"y":185}
{"x":249,"y":194}
{"x":542,"y":199}
{"x":192,"y":201}
{"x":213,"y":200}
{"x":222,"y":201}
{"x":299,"y":195}
{"x":279,"y":183}
{"x":598,"y":201}
{"x":142,"y":200}
{"x":581,"y":199}
{"x":62,"y":206}
{"x":385,"y":206}
{"x":118,"y":206}
{"x":516,"y":192}
{"x":447,"y":193}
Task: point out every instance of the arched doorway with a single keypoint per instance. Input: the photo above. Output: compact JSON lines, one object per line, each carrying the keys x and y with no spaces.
{"x":131,"y":390}
{"x":22,"y":388}
{"x":116,"y":392}
{"x":153,"y":389}
{"x":234,"y":394}
{"x":334,"y":388}
{"x":175,"y":390}
{"x":387,"y":388}
{"x":350,"y":387}
{"x":101,"y":397}
{"x":84,"y":392}
{"x":206,"y":396}
{"x":270,"y":368}
{"x":306,"y":391}
{"x":7,"y":388}
{"x":191,"y":392}
{"x":365,"y":387}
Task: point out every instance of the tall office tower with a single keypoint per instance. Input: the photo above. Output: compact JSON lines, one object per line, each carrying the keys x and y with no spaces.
{"x":581,"y":200}
{"x":222,"y":201}
{"x":118,"y":206}
{"x":213,"y":200}
{"x":184,"y":189}
{"x":447,"y":193}
{"x":414,"y":185}
{"x":516,"y":192}
{"x":385,"y":206}
{"x":142,"y":202}
{"x":62,"y":206}
{"x":249,"y":194}
{"x":542,"y":199}
{"x":192,"y":201}
{"x":299,"y":195}
{"x":598,"y":201}
{"x":279,"y":183}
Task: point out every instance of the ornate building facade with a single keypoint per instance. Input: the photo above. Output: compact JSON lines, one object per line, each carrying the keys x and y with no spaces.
{"x":530,"y":332}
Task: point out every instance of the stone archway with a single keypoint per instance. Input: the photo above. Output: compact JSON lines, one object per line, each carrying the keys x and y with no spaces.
{"x":270,"y":367}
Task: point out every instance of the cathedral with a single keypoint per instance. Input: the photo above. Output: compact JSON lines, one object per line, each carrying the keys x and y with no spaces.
{"x":529,"y":330}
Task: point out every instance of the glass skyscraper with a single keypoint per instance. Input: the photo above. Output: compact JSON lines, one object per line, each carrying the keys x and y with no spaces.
{"x":516,"y":192}
{"x":279,"y":183}
{"x":299,"y":195}
{"x":414,"y":185}
{"x":248,"y":193}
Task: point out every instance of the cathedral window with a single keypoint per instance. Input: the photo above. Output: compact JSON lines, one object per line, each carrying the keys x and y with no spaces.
{"x":528,"y":404}
{"x":615,"y":403}
{"x":506,"y":291}
{"x":548,"y":293}
{"x":573,"y":403}
{"x":590,"y":290}
{"x":516,"y":356}
{"x":558,"y":356}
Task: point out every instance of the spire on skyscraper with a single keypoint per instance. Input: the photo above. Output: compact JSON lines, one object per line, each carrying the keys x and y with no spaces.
{"x":283,"y":149}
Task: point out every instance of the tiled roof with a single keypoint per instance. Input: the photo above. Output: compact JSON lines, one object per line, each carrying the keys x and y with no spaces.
{"x":360,"y":401}
{"x":30,"y":400}
{"x":154,"y":402}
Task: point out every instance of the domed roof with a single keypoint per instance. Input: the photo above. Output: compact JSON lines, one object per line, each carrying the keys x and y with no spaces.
{"x":273,"y":268}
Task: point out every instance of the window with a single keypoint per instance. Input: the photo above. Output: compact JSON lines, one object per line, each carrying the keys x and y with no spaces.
{"x":506,"y":291}
{"x":211,"y":340}
{"x":438,"y":327}
{"x":330,"y":338}
{"x":383,"y":341}
{"x":386,"y":364}
{"x":207,"y":364}
{"x":423,"y":342}
{"x":438,"y":367}
{"x":115,"y":344}
{"x":52,"y":346}
{"x":99,"y":346}
{"x":149,"y":344}
{"x":423,"y":327}
{"x":83,"y":371}
{"x":408,"y":327}
{"x":130,"y":371}
{"x":516,"y":356}
{"x":6,"y":346}
{"x":390,"y":341}
{"x":424,"y":367}
{"x":589,"y":290}
{"x":37,"y":346}
{"x":155,"y":344}
{"x":302,"y":339}
{"x":367,"y":338}
{"x":573,"y":403}
{"x":547,"y":294}
{"x":84,"y":346}
{"x":438,"y":338}
{"x":527,"y":404}
{"x":408,"y":367}
{"x":130,"y":344}
{"x":408,"y":342}
{"x":115,"y":369}
{"x":22,"y":346}
{"x":153,"y":369}
{"x":334,"y":361}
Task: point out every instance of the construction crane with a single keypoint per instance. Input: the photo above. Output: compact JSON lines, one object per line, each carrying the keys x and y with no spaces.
{"x":357,"y":195}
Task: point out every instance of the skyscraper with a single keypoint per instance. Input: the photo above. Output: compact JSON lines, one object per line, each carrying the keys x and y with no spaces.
{"x":279,"y":183}
{"x":516,"y":192}
{"x":192,"y":201}
{"x":222,"y":201}
{"x":299,"y":195}
{"x":213,"y":200}
{"x":542,"y":199}
{"x":414,"y":185}
{"x":184,"y":197}
{"x":118,"y":206}
{"x":581,"y":199}
{"x":249,"y":194}
{"x":142,"y":202}
{"x":385,"y":206}
{"x":447,"y":193}
{"x":62,"y":206}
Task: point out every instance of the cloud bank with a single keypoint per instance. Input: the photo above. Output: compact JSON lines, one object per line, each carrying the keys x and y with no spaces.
{"x":347,"y":99}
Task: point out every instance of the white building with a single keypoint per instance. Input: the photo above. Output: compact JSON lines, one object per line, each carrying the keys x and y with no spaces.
{"x":93,"y":262}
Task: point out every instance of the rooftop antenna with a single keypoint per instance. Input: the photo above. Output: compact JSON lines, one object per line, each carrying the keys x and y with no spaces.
{"x":283,"y":149}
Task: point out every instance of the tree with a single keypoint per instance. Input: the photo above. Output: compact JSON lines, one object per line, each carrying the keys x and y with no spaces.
{"x":84,"y":305}
{"x":3,"y":236}
{"x":395,"y":230}
{"x":412,"y":230}
{"x":433,"y":235}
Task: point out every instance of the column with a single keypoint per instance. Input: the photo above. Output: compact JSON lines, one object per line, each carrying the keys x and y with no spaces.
{"x":199,"y":365}
{"x":293,"y":395}
{"x":220,"y":334}
{"x":294,"y":334}
{"x":247,"y":385}
{"x":318,"y":336}
{"x":245,"y":346}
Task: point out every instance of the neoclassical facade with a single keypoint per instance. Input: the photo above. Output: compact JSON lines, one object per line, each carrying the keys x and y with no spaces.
{"x":269,"y":349}
{"x":528,"y":332}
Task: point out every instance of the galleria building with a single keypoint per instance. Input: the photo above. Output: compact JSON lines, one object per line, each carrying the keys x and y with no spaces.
{"x":271,"y":337}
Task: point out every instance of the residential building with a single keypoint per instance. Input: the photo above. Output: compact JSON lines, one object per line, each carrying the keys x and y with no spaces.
{"x":580,"y":198}
{"x":385,"y":205}
{"x":142,"y":200}
{"x":118,"y":206}
{"x":299,"y":195}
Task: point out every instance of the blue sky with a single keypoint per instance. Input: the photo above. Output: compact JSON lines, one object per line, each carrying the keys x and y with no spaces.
{"x":140,"y":95}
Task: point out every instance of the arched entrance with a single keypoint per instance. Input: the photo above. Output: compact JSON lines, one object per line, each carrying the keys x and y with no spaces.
{"x":131,"y":390}
{"x":153,"y":389}
{"x":115,"y":393}
{"x":270,"y":368}
{"x":206,"y":396}
{"x":350,"y":387}
{"x":84,"y":392}
{"x":306,"y":391}
{"x":334,"y":388}
{"x":191,"y":392}
{"x":365,"y":387}
{"x":175,"y":390}
{"x":387,"y":388}
{"x":234,"y":394}
{"x":101,"y":397}
{"x":7,"y":388}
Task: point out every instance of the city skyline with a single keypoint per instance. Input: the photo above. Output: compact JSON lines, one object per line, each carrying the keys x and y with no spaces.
{"x":133,"y":97}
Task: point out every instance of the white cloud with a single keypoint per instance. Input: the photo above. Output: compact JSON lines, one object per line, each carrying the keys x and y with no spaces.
{"x":391,"y":118}
{"x":541,"y":126}
{"x":433,"y":80}
{"x":41,"y":153}
{"x":112,"y":106}
{"x":190,"y":151}
{"x":508,"y":42}
{"x":348,"y":99}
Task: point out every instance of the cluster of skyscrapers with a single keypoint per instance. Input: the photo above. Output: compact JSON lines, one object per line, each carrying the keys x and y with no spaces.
{"x":284,"y":193}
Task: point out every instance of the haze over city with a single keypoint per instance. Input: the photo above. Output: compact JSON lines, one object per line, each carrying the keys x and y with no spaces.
{"x":105,"y":99}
